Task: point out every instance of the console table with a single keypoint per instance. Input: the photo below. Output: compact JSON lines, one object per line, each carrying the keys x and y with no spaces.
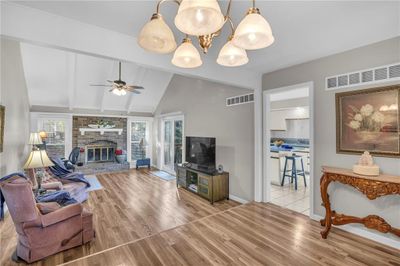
{"x":372,"y":186}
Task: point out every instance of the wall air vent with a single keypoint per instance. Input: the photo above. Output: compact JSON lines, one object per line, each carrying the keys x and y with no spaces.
{"x":241,"y":99}
{"x":367,"y":76}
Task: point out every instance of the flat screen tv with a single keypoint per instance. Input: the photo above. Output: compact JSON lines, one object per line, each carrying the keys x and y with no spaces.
{"x":200,"y":153}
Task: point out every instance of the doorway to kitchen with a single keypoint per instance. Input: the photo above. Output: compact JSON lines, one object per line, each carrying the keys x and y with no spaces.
{"x":288,"y":147}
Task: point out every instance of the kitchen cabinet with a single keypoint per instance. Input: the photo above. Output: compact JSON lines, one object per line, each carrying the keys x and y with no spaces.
{"x":278,"y":117}
{"x":274,"y":169}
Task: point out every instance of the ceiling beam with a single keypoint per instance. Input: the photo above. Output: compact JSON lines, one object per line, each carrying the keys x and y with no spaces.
{"x":106,"y":90}
{"x":71,"y":79}
{"x":42,"y":28}
{"x":139,"y":78}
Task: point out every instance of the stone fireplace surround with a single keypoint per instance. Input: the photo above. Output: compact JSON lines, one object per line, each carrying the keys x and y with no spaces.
{"x":92,"y":139}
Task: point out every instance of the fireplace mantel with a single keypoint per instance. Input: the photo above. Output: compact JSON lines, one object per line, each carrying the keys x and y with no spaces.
{"x":101,"y":130}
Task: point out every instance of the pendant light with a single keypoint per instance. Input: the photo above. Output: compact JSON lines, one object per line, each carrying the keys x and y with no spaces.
{"x":231,"y":55}
{"x":186,"y":55}
{"x":253,"y":32}
{"x":156,"y":36}
{"x":199,"y":17}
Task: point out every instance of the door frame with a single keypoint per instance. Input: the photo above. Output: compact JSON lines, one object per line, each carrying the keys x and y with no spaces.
{"x":266,"y":188}
{"x":173,"y":118}
{"x":149,"y":136}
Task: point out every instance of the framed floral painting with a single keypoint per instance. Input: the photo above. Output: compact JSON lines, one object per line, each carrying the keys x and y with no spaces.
{"x":369,"y":120}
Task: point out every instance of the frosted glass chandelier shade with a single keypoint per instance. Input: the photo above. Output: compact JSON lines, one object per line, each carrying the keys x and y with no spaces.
{"x":253,"y":32}
{"x":156,"y":36}
{"x":186,"y":55}
{"x":232,"y":56}
{"x":199,"y":17}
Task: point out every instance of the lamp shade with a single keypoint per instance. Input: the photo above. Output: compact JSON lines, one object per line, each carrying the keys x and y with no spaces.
{"x":156,"y":36}
{"x":38,"y":159}
{"x":35,"y":139}
{"x":253,"y":32}
{"x":231,"y":55}
{"x":186,"y":55}
{"x":199,"y":17}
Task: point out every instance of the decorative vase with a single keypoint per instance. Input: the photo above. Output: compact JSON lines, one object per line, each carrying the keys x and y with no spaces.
{"x":120,"y":158}
{"x":369,"y":136}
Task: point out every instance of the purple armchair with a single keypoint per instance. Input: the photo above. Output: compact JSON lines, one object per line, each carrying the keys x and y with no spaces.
{"x":41,"y":235}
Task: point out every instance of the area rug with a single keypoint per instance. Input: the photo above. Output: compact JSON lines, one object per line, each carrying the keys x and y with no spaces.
{"x":163,"y":175}
{"x":94,"y":183}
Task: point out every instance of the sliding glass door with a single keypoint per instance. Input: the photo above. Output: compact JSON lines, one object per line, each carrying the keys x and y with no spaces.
{"x":172,"y":143}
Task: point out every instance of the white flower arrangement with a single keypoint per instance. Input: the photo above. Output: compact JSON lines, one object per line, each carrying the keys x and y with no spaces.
{"x":366,"y":119}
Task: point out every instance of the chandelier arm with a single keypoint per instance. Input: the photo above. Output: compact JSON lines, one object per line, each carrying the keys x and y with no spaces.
{"x":178,"y":2}
{"x":232,"y":26}
{"x":228,"y":10}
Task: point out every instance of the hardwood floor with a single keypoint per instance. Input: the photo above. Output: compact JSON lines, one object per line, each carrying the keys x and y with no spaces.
{"x":148,"y":225}
{"x":131,"y":206}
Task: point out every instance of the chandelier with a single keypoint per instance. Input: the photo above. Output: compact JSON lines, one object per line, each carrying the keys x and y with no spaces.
{"x":204,"y":20}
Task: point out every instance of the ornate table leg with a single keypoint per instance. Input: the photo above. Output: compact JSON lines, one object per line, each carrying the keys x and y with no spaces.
{"x":327,"y":222}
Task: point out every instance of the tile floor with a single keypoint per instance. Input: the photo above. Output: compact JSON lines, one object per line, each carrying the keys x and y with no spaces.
{"x":296,"y":200}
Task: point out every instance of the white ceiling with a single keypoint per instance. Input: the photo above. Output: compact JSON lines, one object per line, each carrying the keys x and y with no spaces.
{"x":304,"y":30}
{"x":58,"y":78}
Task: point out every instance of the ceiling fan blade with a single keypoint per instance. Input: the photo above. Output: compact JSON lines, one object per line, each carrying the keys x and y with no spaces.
{"x":111,"y":81}
{"x":136,"y":87}
{"x":100,"y":85}
{"x":136,"y":92}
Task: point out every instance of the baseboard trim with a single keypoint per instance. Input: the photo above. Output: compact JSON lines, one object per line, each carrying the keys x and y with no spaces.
{"x":351,"y":228}
{"x":235,"y":198}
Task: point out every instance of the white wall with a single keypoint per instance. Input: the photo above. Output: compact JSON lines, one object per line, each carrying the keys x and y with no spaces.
{"x":14,"y":97}
{"x":344,"y":198}
{"x":203,"y":104}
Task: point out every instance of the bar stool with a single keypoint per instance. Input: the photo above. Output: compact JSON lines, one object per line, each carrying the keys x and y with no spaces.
{"x":294,"y":172}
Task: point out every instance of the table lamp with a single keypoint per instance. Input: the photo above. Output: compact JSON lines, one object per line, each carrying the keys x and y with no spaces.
{"x":35,"y":140}
{"x":37,"y":160}
{"x":43,"y":136}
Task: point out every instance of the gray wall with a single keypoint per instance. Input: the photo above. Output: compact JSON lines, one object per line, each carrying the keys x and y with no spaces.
{"x":14,"y":96}
{"x":203,"y":105}
{"x":343,"y":198}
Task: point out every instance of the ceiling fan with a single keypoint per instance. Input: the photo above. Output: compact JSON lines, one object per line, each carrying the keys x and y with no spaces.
{"x":119,"y":87}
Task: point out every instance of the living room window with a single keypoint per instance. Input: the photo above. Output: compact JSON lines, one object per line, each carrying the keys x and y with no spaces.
{"x":55,"y":141}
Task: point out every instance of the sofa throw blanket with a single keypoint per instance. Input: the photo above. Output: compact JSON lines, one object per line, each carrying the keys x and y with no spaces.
{"x":63,"y":173}
{"x":2,"y":199}
{"x":62,"y":197}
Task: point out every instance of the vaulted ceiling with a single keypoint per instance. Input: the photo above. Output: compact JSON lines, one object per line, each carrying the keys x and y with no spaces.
{"x":303,"y":30}
{"x":87,"y":32}
{"x":56,"y":78}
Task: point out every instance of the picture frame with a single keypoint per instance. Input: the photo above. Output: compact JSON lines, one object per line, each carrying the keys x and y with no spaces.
{"x":2,"y":121}
{"x":369,"y":120}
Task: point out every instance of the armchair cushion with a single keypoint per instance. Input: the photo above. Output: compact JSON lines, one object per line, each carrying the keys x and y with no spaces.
{"x":47,"y":207}
{"x":61,"y":214}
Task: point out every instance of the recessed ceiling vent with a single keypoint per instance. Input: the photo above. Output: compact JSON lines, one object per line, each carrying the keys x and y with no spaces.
{"x":241,"y":99}
{"x":367,"y":76}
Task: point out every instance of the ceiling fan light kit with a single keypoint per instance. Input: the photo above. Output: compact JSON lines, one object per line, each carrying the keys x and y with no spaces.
{"x":204,"y":20}
{"x":119,"y":87}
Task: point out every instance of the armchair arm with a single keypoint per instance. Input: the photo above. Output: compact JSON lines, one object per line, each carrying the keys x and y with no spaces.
{"x":61,"y":214}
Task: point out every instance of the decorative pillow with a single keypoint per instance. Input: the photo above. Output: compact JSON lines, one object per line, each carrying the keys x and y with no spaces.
{"x":47,"y":207}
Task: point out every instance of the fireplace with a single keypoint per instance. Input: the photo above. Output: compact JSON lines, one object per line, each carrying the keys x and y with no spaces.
{"x":100,"y":151}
